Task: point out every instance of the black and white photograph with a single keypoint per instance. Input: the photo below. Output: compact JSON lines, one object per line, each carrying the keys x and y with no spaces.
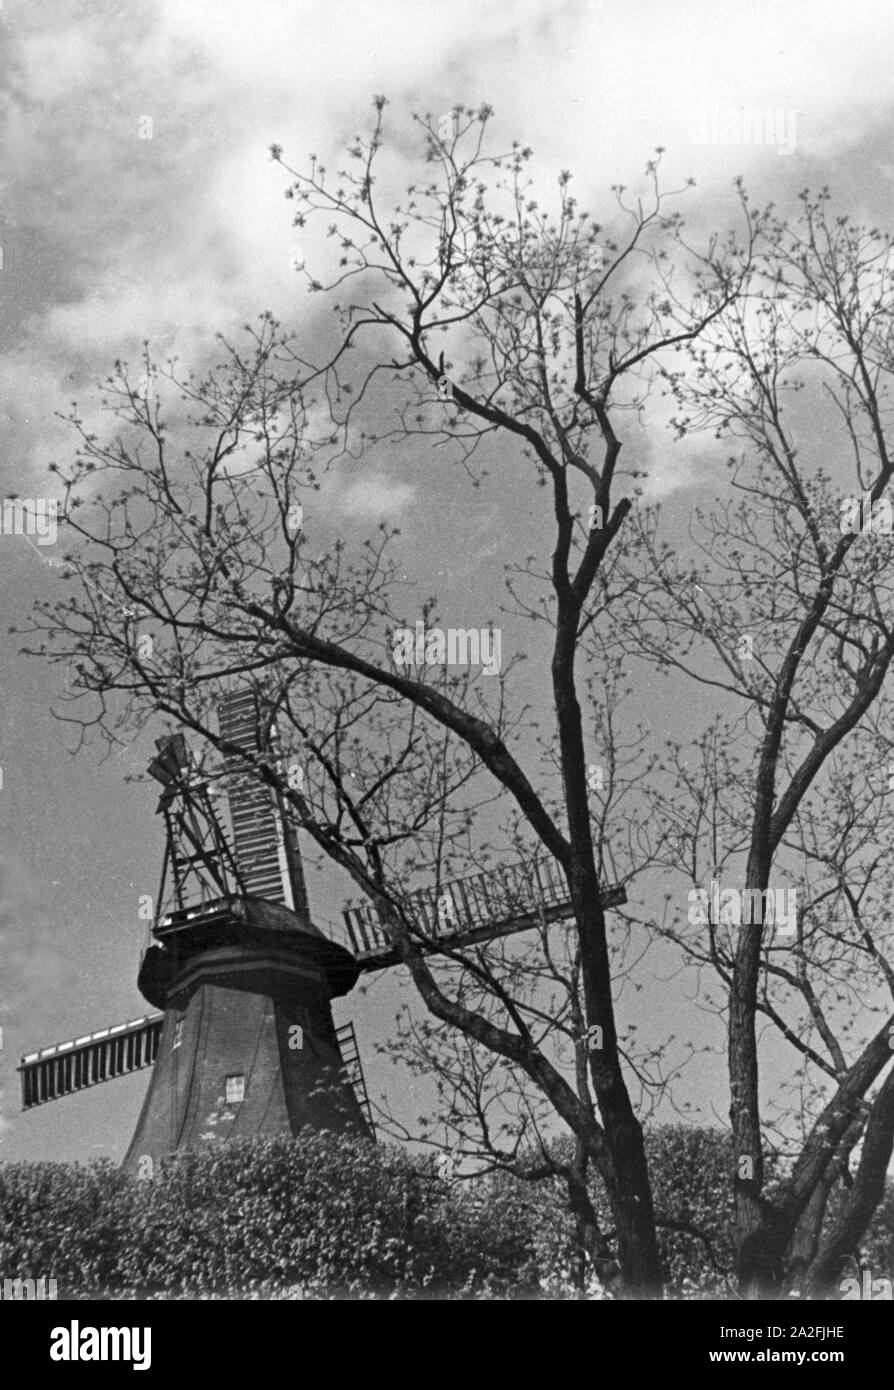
{"x":447,"y":740}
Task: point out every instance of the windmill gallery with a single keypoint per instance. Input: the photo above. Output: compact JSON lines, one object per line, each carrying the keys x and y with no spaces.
{"x":242,"y":1040}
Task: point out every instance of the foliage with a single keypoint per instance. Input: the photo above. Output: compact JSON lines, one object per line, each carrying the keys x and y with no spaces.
{"x":335,"y":1216}
{"x":690,"y":1172}
{"x":332,"y":1217}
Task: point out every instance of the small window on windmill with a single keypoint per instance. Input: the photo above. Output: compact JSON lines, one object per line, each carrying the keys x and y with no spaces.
{"x":235,"y":1089}
{"x":178,"y":1034}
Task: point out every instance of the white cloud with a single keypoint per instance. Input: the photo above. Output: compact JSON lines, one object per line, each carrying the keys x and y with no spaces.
{"x":177,"y":237}
{"x":375,"y":497}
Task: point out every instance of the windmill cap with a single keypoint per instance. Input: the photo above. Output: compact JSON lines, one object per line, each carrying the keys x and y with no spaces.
{"x":260,"y":914}
{"x":267,"y":915}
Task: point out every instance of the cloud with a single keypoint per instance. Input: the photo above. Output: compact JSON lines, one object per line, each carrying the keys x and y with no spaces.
{"x":117,"y":238}
{"x":375,"y":497}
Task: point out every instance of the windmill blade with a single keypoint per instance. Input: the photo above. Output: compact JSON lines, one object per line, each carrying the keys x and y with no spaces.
{"x":350,"y":1052}
{"x":200,"y":861}
{"x":74,"y":1066}
{"x":265,"y":844}
{"x":478,"y":908}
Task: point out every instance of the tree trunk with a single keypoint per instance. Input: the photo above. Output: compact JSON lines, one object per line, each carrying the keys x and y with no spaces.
{"x":627,"y":1175}
{"x":593,"y":1244}
{"x":869,"y":1185}
{"x":759,"y":1253}
{"x":805,"y":1242}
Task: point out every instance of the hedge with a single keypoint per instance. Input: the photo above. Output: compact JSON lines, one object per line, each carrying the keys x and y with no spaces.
{"x":320,"y":1216}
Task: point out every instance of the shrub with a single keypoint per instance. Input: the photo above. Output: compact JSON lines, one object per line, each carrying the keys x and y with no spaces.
{"x":337,"y":1217}
{"x":326,"y":1216}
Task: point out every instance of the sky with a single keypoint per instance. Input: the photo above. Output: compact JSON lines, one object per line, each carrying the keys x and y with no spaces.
{"x":139,"y":202}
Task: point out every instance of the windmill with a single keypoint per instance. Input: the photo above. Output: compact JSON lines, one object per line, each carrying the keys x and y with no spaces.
{"x":242,"y":1040}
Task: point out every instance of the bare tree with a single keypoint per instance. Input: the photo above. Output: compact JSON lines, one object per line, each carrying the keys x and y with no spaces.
{"x":466,"y":316}
{"x":490,"y":1116}
{"x":778,"y":609}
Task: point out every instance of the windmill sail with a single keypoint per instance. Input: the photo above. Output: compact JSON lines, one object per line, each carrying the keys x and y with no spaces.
{"x":74,"y":1066}
{"x":347,"y":1043}
{"x":265,"y":844}
{"x":67,"y":1067}
{"x":196,"y":852}
{"x":480,"y":907}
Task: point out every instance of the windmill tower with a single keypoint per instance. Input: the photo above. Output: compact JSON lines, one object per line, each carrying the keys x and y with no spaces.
{"x":243,"y":1041}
